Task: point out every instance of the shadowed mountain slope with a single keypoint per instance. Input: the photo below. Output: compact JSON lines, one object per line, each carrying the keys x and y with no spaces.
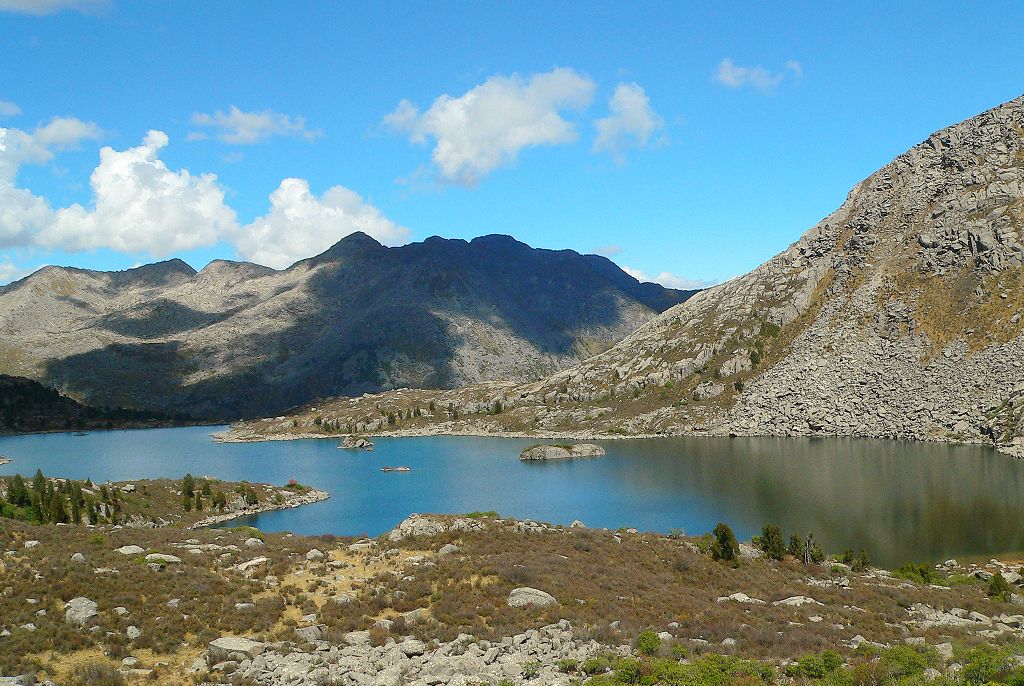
{"x":238,"y":339}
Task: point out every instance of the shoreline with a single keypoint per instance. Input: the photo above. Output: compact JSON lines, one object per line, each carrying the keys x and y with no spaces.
{"x":232,"y":436}
{"x":308,"y":498}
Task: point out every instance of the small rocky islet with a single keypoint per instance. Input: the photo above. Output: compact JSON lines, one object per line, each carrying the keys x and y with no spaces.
{"x":560,"y":451}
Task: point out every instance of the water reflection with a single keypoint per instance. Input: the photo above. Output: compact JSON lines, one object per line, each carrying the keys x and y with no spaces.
{"x":900,"y":501}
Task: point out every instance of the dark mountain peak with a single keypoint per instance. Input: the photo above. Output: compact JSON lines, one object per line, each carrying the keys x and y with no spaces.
{"x":497,"y":240}
{"x":354,"y":244}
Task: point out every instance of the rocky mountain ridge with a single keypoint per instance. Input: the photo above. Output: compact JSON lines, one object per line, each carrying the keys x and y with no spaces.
{"x":239,"y":339}
{"x":898,"y":316}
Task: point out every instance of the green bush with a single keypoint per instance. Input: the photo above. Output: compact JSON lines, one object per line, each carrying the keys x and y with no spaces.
{"x":999,"y":588}
{"x":816,"y":666}
{"x":598,"y":664}
{"x":984,"y":664}
{"x":916,"y":573}
{"x":901,"y":662}
{"x":648,"y":643}
{"x":568,"y":665}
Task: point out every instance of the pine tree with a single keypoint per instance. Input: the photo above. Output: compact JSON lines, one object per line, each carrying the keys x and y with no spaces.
{"x":725,"y":546}
{"x":188,"y":486}
{"x":771,"y":542}
{"x":796,"y":546}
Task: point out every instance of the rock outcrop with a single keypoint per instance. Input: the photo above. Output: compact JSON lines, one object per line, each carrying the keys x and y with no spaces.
{"x":533,"y":654}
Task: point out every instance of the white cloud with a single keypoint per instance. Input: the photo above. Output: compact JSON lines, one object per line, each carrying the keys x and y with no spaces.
{"x":246,"y":128}
{"x":488,"y":126}
{"x":795,"y":67}
{"x":733,"y":75}
{"x":139,"y":205}
{"x":299,"y":224}
{"x":42,"y":7}
{"x":668,"y":279}
{"x":21,"y":211}
{"x":631,"y":122}
{"x":608,"y":250}
{"x":9,"y":109}
{"x":19,"y":147}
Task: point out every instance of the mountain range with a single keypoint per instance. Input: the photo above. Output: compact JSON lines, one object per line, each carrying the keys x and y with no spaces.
{"x":897,"y":316}
{"x":242,"y":340}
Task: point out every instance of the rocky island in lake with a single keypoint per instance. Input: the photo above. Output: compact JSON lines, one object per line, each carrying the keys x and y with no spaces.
{"x":561,"y":451}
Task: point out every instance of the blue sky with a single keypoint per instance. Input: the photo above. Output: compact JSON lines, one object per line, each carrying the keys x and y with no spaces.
{"x":682,"y":140}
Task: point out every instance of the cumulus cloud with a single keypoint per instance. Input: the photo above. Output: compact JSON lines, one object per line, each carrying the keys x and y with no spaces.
{"x":9,"y":109}
{"x":733,"y":75}
{"x":299,"y":224}
{"x":139,"y":205}
{"x":488,"y":126}
{"x":630,"y":123}
{"x":668,"y":279}
{"x":21,"y":211}
{"x":43,"y":7}
{"x":238,"y":127}
{"x":19,"y":147}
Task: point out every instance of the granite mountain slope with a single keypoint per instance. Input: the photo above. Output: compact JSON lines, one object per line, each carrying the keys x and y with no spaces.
{"x":898,"y":315}
{"x":238,"y":339}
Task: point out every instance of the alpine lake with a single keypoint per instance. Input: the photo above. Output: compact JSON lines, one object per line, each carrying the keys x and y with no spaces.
{"x":900,"y":501}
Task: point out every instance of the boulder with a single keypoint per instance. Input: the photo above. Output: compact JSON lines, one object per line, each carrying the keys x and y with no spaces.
{"x":133,"y":632}
{"x":415,"y":525}
{"x":253,"y":543}
{"x":233,"y":648}
{"x":448,"y":549}
{"x":740,"y":598}
{"x":163,"y":559}
{"x":314,"y":554}
{"x":521,"y":597}
{"x":130,"y":550}
{"x":80,"y":610}
{"x":78,"y":558}
{"x":561,"y":451}
{"x":248,"y":568}
{"x":797,"y":601}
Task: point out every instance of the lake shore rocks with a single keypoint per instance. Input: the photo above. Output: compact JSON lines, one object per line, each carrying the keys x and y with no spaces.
{"x":289,"y":499}
{"x":561,"y":451}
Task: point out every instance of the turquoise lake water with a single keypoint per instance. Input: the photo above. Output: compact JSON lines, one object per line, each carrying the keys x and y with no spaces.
{"x":901,"y":501}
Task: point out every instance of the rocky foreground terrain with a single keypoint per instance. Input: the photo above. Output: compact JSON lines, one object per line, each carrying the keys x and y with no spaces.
{"x":239,"y":340}
{"x":897,"y":316}
{"x":479,"y":599}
